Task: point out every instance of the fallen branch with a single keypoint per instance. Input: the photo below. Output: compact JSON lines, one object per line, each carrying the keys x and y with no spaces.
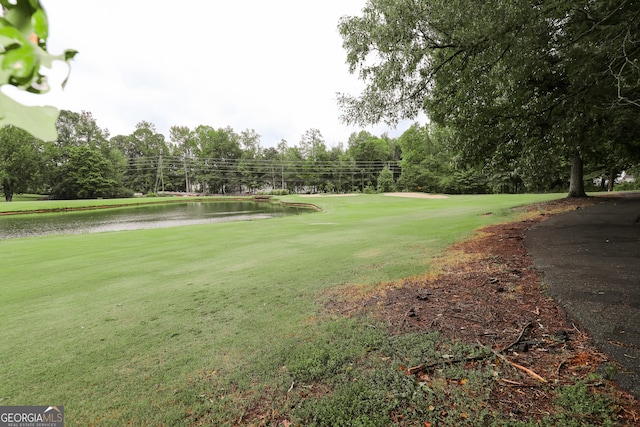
{"x":523,"y":369}
{"x":426,"y":366}
{"x":560,"y":367}
{"x":528,"y":371}
{"x":517,"y":341}
{"x":510,"y":382}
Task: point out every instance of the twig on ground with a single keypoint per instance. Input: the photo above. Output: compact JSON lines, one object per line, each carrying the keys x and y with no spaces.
{"x":426,"y":366}
{"x":510,"y":382}
{"x":528,"y":371}
{"x":560,"y":367}
{"x":576,"y":328}
{"x":523,"y":369}
{"x":527,"y":326}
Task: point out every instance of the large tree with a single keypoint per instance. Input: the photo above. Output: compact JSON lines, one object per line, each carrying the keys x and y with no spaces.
{"x":370,"y":155}
{"x":20,"y":161}
{"x":183,"y":148}
{"x":218,"y":151}
{"x":87,"y":174}
{"x":144,"y":150}
{"x":83,"y":162}
{"x":250,"y":167}
{"x":529,"y":75}
{"x":314,"y":152}
{"x":76,"y":129}
{"x":426,"y":160}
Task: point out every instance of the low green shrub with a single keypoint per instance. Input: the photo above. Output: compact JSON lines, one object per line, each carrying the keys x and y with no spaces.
{"x":283,"y":192}
{"x":580,"y":407}
{"x":372,"y":388}
{"x":329,"y":355}
{"x":628,"y":186}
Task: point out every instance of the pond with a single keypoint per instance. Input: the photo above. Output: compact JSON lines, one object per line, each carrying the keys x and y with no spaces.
{"x":139,"y":217}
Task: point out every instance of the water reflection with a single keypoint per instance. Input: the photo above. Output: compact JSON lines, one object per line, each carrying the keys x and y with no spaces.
{"x":136,"y":218}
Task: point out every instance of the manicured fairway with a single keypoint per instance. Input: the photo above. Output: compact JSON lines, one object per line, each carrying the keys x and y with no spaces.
{"x":126,"y":327}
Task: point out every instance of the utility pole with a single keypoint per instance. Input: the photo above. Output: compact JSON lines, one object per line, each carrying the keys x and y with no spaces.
{"x":282,"y":175}
{"x":187,"y":185}
{"x":159,"y":176}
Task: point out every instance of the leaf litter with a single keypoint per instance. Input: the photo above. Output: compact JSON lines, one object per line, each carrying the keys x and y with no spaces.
{"x":486,"y":292}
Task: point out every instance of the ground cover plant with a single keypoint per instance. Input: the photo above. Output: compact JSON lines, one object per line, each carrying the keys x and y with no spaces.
{"x":232,"y":324}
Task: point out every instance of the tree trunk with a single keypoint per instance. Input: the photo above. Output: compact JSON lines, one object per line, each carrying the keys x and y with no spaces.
{"x":576,"y":184}
{"x":612,"y":179}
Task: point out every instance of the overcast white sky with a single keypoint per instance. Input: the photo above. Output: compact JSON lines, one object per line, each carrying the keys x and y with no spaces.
{"x":273,"y":66}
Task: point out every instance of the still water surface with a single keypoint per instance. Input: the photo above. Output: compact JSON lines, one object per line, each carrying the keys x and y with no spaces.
{"x":136,"y":218}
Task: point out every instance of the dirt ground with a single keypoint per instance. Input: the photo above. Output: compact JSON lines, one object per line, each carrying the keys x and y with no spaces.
{"x":487,"y":291}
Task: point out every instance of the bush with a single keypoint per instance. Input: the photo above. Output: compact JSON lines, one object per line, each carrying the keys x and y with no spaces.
{"x":126,"y":193}
{"x":385,"y":181}
{"x":579,"y":406}
{"x":274,"y":193}
{"x":369,"y":190}
{"x":627,"y":186}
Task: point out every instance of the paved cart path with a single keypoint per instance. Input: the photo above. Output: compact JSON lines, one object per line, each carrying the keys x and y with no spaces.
{"x":590,"y":260}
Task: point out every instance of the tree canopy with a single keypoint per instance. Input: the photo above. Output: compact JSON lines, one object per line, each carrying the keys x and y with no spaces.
{"x":512,"y":79}
{"x":20,"y":162}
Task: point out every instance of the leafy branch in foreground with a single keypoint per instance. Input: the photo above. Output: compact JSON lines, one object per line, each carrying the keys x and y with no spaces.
{"x":24,"y":29}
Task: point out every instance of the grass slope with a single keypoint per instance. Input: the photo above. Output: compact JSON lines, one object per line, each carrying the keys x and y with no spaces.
{"x":126,"y":327}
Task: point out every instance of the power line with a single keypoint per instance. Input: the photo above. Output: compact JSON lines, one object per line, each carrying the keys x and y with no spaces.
{"x":257,"y":165}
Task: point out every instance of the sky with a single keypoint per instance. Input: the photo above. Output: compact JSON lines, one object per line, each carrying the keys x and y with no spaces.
{"x":272,"y":66}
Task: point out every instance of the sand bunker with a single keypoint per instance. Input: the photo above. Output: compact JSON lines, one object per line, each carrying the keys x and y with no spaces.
{"x":418,"y":195}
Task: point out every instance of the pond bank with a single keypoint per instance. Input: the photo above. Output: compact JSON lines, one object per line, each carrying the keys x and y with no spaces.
{"x":136,"y":216}
{"x":147,"y":202}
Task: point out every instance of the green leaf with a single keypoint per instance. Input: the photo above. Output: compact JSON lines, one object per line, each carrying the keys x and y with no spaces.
{"x":38,"y":121}
{"x":35,"y":4}
{"x":9,"y":36}
{"x":69,"y":54}
{"x":19,"y":15}
{"x":22,"y":63}
{"x":40,"y":24}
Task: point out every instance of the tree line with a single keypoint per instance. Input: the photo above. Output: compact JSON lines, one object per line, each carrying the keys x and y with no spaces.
{"x":86,"y":162}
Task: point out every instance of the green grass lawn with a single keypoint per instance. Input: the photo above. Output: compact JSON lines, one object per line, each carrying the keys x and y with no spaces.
{"x":144,"y":327}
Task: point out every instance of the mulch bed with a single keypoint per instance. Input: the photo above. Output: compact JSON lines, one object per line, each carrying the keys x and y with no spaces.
{"x":487,"y":292}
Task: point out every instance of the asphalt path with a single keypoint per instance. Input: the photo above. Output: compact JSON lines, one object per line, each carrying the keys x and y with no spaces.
{"x":590,"y":260}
